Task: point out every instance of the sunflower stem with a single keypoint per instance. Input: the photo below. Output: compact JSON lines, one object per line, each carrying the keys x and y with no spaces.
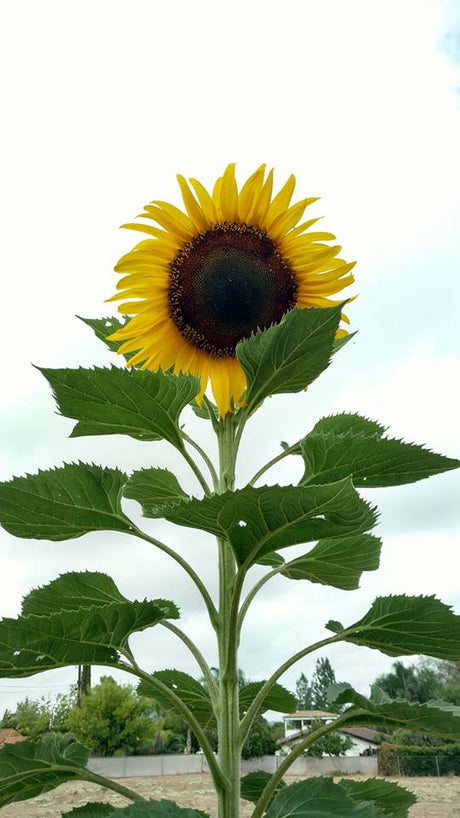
{"x":228,"y":718}
{"x":195,"y":469}
{"x":211,"y":608}
{"x":272,"y":462}
{"x":296,"y":751}
{"x":206,"y":458}
{"x":201,"y":661}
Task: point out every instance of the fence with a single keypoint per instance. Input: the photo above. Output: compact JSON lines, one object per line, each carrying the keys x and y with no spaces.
{"x":435,"y":765}
{"x":132,"y":766}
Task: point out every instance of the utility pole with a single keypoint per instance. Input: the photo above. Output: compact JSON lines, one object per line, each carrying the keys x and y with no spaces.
{"x":83,"y":682}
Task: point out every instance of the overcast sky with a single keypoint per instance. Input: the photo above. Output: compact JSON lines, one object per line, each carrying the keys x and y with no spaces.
{"x":105,"y":101}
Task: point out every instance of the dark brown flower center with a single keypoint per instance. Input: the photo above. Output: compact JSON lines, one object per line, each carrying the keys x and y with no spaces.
{"x":226,"y":283}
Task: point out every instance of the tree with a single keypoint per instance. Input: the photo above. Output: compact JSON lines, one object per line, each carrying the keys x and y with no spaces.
{"x":303,"y":693}
{"x":323,"y":676}
{"x":313,"y":695}
{"x":261,"y":740}
{"x":334,"y":744}
{"x":416,"y":683}
{"x":113,"y":719}
{"x":30,"y":719}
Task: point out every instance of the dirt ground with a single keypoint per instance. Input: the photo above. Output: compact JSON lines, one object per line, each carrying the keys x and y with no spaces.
{"x":438,"y":797}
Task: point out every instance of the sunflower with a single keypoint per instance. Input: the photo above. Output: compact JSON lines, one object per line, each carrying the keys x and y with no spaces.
{"x":234,"y":262}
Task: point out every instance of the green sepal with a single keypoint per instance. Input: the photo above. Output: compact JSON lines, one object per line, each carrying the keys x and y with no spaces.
{"x":64,"y":502}
{"x":30,"y":768}
{"x":259,"y":521}
{"x":338,"y":562}
{"x":288,"y":356}
{"x":153,"y":489}
{"x":253,"y":784}
{"x":108,"y":401}
{"x":405,"y":625}
{"x":319,"y":798}
{"x":438,"y":718}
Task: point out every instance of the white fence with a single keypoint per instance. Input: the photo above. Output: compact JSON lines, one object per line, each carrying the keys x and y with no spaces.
{"x":134,"y":766}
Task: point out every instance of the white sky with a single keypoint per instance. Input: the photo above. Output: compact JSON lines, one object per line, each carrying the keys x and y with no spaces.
{"x":104,"y":102}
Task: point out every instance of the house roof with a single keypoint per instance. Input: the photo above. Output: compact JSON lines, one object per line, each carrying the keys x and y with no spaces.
{"x":364,"y":733}
{"x":311,"y":714}
{"x":10,"y":736}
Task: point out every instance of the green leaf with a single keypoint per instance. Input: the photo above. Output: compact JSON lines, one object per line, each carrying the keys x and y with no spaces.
{"x":258,"y":521}
{"x":341,"y":342}
{"x":188,"y":689}
{"x":371,"y":460}
{"x":94,"y":810}
{"x":318,"y":798}
{"x":345,"y":422}
{"x":154,"y":809}
{"x":288,"y":356}
{"x":278,"y":698}
{"x":203,"y":411}
{"x":87,"y":635}
{"x":142,"y":404}
{"x":63,"y":503}
{"x":31,"y":768}
{"x":338,"y":562}
{"x":102,"y":327}
{"x":394,"y":801}
{"x":153,"y":489}
{"x":439,"y":718}
{"x":405,"y":625}
{"x":85,"y":589}
{"x":253,"y":784}
{"x":273,"y":559}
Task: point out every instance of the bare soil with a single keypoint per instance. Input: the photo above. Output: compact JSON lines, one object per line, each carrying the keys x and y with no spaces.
{"x":438,"y":797}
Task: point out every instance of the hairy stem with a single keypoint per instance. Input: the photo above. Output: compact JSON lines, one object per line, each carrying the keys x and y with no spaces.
{"x":187,"y":567}
{"x":255,"y":707}
{"x":196,"y":470}
{"x":296,"y":751}
{"x":228,"y":720}
{"x":205,"y":456}
{"x":111,"y":785}
{"x":272,"y":462}
{"x":201,"y":661}
{"x":217,"y":775}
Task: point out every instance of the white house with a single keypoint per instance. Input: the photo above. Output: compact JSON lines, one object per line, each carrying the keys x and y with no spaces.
{"x":296,"y":726}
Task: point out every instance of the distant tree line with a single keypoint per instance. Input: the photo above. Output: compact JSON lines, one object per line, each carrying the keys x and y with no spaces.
{"x":113,"y":719}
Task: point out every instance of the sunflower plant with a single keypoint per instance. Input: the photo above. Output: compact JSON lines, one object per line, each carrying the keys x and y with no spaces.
{"x":224,"y":304}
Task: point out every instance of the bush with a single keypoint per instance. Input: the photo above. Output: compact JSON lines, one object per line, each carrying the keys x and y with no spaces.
{"x":113,"y":720}
{"x":415,"y":759}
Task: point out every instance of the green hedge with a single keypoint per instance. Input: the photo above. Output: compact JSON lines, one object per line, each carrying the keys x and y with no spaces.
{"x":404,"y":759}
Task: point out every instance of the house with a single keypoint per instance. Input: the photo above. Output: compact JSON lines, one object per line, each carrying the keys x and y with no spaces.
{"x":9,"y":736}
{"x":296,"y":726}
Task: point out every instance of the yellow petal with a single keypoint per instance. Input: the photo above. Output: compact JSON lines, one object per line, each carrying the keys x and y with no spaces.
{"x":194,"y":210}
{"x":287,"y":220}
{"x":249,"y":193}
{"x":281,"y":200}
{"x":262,"y":202}
{"x":229,"y":194}
{"x":205,"y":200}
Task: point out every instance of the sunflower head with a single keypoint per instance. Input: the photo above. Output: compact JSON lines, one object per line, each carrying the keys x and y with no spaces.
{"x":205,"y":279}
